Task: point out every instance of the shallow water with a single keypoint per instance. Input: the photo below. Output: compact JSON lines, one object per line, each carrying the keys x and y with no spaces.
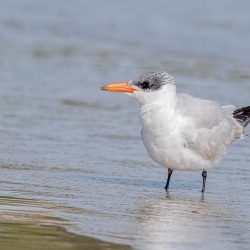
{"x":30,"y":224}
{"x":66,"y":143}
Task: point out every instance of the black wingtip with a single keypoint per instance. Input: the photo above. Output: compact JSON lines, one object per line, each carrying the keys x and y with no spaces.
{"x":242,"y":115}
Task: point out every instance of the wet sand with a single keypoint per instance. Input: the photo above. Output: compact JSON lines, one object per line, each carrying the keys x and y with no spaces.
{"x":24,"y":228}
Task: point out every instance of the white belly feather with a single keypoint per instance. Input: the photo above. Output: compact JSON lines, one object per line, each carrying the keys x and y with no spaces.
{"x":161,"y":135}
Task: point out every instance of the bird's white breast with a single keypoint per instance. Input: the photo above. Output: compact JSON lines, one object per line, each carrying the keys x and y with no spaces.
{"x":161,"y":135}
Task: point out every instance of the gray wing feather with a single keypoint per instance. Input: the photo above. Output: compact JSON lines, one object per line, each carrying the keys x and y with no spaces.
{"x":229,"y":109}
{"x":211,"y":128}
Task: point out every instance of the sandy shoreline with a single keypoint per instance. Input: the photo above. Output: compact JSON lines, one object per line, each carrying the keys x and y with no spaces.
{"x":27,"y":224}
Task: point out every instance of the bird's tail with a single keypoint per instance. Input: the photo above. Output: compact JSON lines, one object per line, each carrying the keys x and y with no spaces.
{"x":242,"y":115}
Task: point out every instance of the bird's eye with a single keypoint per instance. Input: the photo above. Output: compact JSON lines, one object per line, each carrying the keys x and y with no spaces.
{"x":145,"y":85}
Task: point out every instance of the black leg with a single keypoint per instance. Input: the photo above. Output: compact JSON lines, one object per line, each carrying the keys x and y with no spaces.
{"x":170,"y":171}
{"x":204,"y":175}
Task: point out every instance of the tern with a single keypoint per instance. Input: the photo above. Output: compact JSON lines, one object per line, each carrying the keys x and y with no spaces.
{"x":179,"y":131}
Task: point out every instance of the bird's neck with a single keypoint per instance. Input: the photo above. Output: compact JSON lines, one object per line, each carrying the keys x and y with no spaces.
{"x":164,"y":97}
{"x":155,"y":107}
{"x":159,"y":111}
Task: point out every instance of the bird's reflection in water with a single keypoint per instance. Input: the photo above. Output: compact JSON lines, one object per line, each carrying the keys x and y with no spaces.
{"x":177,"y":221}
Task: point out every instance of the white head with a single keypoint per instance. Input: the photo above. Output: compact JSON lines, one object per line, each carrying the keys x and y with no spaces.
{"x":146,"y":88}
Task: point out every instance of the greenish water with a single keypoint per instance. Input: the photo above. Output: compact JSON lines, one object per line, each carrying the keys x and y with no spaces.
{"x":30,"y":236}
{"x":37,"y":231}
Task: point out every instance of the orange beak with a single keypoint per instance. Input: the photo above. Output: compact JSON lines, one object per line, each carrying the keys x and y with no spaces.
{"x":118,"y":87}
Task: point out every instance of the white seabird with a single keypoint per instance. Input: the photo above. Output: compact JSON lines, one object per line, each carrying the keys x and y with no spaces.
{"x":179,"y":131}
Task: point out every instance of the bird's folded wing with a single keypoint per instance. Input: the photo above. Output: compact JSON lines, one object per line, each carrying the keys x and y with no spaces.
{"x":210,"y":143}
{"x":210,"y":129}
